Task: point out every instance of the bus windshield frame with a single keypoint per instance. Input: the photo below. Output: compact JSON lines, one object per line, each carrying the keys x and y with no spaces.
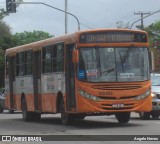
{"x":113,"y":64}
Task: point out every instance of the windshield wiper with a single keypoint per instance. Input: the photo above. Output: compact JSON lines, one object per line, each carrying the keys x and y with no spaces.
{"x":108,"y":70}
{"x":127,"y":54}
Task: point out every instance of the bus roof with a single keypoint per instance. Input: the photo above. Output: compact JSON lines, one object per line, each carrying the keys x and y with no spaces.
{"x":68,"y":38}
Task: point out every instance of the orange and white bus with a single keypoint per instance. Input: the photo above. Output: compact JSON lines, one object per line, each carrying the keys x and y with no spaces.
{"x":92,"y":72}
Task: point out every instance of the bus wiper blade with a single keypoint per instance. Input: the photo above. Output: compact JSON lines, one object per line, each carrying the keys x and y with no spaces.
{"x":108,"y":70}
{"x":127,"y":54}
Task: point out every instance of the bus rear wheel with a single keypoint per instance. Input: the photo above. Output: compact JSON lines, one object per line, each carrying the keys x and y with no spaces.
{"x":25,"y":114}
{"x":65,"y":117}
{"x":123,"y":117}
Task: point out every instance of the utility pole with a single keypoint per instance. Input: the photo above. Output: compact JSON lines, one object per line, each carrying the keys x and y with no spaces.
{"x":144,"y":17}
{"x":142,"y":13}
{"x":66,"y":17}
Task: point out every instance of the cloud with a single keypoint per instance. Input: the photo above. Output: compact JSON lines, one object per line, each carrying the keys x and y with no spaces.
{"x":92,"y":13}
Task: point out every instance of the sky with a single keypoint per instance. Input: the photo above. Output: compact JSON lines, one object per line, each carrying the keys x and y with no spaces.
{"x":91,"y":14}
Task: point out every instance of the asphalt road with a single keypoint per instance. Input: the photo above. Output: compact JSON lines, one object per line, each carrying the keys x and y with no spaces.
{"x":12,"y":124}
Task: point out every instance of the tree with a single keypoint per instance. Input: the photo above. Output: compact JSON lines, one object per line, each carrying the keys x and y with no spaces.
{"x":154,"y":34}
{"x":3,"y":13}
{"x":29,"y":37}
{"x":154,"y":42}
{"x":5,"y":39}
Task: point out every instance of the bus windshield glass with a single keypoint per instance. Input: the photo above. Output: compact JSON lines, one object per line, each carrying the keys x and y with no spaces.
{"x":123,"y":64}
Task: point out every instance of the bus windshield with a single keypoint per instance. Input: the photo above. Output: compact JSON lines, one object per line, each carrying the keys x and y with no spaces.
{"x":108,"y":64}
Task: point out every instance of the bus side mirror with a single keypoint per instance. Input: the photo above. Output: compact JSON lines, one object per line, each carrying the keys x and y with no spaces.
{"x":75,"y":56}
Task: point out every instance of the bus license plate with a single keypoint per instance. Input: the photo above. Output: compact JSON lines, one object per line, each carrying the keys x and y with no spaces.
{"x":117,"y":105}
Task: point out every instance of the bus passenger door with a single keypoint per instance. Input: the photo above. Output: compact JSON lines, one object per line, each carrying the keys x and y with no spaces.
{"x":70,"y":79}
{"x":12,"y":66}
{"x":37,"y":80}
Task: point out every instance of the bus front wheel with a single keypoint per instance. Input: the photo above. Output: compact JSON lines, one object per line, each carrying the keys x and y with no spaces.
{"x":123,"y":117}
{"x":65,"y":117}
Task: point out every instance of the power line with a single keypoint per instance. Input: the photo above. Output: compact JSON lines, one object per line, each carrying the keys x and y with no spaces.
{"x":145,"y":17}
{"x":86,"y":26}
{"x":128,"y":16}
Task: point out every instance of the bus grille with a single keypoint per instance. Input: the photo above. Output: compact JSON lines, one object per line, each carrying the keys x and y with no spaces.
{"x":117,"y":86}
{"x":115,"y":98}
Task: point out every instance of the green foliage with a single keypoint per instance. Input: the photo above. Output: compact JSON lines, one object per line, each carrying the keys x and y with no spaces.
{"x":29,"y":37}
{"x":154,"y":34}
{"x":5,"y":35}
{"x":3,"y":13}
{"x":1,"y":58}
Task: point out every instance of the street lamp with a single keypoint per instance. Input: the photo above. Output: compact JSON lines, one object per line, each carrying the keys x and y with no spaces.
{"x":56,"y":9}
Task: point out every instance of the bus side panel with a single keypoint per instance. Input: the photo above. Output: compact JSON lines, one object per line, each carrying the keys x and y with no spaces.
{"x":30,"y":102}
{"x":50,"y":86}
{"x":49,"y":103}
{"x":10,"y":99}
{"x":24,"y":86}
{"x":7,"y":99}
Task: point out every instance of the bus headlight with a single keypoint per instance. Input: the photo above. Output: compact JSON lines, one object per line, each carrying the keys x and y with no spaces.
{"x":143,"y":96}
{"x":89,"y":96}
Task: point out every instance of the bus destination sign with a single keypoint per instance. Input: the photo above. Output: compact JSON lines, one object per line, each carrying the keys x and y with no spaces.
{"x":112,"y":37}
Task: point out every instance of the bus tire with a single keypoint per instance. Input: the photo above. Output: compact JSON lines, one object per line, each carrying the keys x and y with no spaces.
{"x":155,"y":114}
{"x":36,"y":116}
{"x":80,"y":116}
{"x":65,"y":117}
{"x":25,"y":114}
{"x":144,"y":115}
{"x":123,"y":117}
{"x":1,"y":109}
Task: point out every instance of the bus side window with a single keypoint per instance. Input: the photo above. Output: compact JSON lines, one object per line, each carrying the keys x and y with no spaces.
{"x":47,"y":59}
{"x":58,"y":58}
{"x":28,"y":62}
{"x":20,"y":64}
